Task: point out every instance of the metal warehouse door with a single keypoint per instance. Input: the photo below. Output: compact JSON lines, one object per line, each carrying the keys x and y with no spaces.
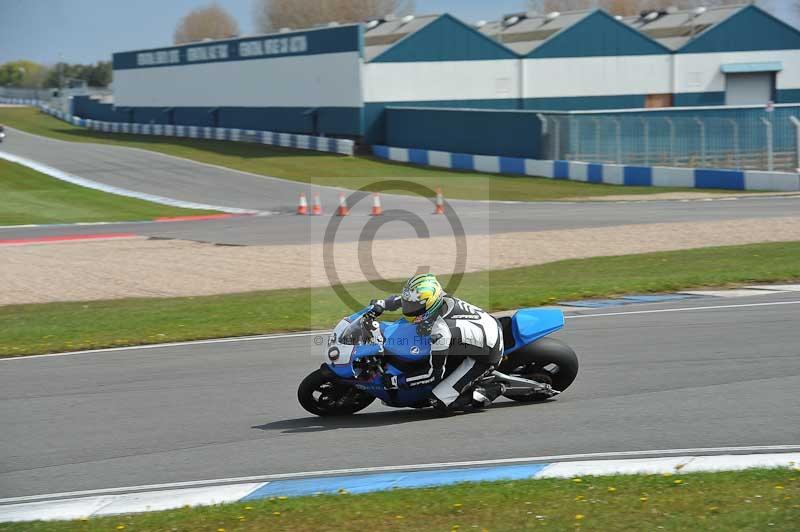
{"x":752,"y":88}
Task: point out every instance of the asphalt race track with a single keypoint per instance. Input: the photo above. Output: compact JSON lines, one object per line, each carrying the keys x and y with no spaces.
{"x":162,"y":175}
{"x":723,"y":376}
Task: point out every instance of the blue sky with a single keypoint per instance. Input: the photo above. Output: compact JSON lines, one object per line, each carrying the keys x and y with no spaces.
{"x":85,"y":31}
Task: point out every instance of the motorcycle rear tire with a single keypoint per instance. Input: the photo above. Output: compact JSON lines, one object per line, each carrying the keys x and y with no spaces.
{"x":546,"y":360}
{"x":314,"y":381}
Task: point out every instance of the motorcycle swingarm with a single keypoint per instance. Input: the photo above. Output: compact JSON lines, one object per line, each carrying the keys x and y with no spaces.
{"x":518,"y":385}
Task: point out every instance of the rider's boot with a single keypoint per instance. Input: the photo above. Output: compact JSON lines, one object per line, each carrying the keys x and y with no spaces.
{"x":484,"y":394}
{"x":480,"y":397}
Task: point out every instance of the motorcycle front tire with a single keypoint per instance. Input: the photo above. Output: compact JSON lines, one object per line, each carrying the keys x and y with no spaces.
{"x":329,"y":401}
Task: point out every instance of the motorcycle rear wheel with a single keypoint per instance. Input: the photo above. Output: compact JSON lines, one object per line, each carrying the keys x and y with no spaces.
{"x":321,"y":396}
{"x":547,"y":360}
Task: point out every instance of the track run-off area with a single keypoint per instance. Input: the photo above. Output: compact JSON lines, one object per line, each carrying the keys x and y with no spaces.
{"x":704,"y":373}
{"x":181,"y":179}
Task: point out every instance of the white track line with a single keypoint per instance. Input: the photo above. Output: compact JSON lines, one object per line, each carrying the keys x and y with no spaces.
{"x":173,"y":344}
{"x":413,"y":467}
{"x":210,"y":165}
{"x":110,"y":189}
{"x":656,"y":311}
{"x":315,"y":333}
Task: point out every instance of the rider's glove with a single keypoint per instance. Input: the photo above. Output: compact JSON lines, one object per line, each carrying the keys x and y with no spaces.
{"x":381,"y":305}
{"x":393,"y":303}
{"x":378,"y":306}
{"x":393,"y":382}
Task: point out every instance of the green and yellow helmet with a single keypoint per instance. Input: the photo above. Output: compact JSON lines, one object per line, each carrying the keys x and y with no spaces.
{"x":422,"y":297}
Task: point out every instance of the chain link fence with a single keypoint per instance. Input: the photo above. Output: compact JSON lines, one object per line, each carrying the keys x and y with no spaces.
{"x":741,"y":138}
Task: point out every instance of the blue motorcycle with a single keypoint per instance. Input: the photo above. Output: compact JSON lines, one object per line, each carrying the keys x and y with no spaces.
{"x":362,"y":354}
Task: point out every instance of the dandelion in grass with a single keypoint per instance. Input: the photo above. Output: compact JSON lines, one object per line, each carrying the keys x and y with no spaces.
{"x":612,"y":489}
{"x":457,"y":505}
{"x":577,"y":480}
{"x":276,"y":513}
{"x":678,"y":481}
{"x":579,"y":517}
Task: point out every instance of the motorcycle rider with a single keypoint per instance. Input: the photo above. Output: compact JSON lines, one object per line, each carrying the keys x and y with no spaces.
{"x":465,"y":344}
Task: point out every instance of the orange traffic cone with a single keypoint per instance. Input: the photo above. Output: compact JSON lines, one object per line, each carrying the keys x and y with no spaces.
{"x":376,"y":205}
{"x":302,"y":207}
{"x":316,"y":206}
{"x":342,"y":210}
{"x":439,"y":201}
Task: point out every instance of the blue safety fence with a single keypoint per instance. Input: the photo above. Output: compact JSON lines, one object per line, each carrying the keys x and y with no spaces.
{"x":513,"y":133}
{"x":271,"y":138}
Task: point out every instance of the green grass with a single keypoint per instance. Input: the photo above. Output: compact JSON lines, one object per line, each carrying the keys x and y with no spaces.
{"x":53,"y":327}
{"x":753,"y":500}
{"x":29,"y":197}
{"x":322,"y":168}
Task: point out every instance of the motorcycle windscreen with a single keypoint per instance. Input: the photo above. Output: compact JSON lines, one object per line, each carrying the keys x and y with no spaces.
{"x":530,"y":324}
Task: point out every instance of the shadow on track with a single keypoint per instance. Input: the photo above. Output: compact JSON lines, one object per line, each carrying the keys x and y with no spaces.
{"x":373,"y":419}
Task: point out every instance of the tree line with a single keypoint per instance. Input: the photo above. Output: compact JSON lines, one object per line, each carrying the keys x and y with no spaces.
{"x":31,"y":75}
{"x":213,"y":22}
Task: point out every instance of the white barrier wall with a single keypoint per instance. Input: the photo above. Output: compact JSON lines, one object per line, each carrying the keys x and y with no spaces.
{"x":597,"y":76}
{"x":441,"y":80}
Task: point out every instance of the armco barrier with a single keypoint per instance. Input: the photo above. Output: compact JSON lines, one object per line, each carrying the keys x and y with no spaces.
{"x":286,"y":140}
{"x":613,"y":174}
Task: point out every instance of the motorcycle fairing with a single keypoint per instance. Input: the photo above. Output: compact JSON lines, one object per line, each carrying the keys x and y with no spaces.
{"x":401,"y":340}
{"x":530,"y":324}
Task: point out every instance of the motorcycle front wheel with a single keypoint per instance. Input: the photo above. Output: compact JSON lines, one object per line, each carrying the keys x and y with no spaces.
{"x":322,"y":396}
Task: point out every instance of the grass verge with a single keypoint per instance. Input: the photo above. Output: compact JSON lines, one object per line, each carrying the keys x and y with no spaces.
{"x":30,"y":197}
{"x":53,"y":327}
{"x":752,"y":500}
{"x":321,"y":168}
